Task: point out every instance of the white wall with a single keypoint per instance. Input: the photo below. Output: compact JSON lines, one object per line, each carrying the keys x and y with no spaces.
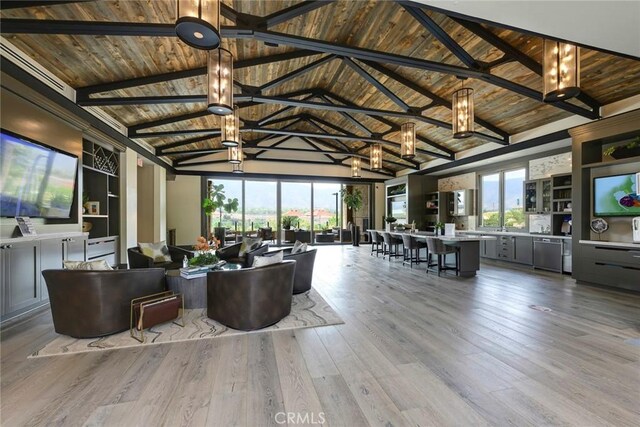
{"x":183,"y":208}
{"x":128,"y":202}
{"x":611,"y":25}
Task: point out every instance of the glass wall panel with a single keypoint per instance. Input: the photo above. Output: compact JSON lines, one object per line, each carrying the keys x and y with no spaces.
{"x":490,"y":188}
{"x":231,"y":221}
{"x":295,"y":211}
{"x":512,"y":198}
{"x":261,"y":207}
{"x":327,"y":206}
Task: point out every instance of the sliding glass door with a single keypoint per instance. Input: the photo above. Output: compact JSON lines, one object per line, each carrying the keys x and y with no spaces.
{"x":261,"y":207}
{"x":295,"y":212}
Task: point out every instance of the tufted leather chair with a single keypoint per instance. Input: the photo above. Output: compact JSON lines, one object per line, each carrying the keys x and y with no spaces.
{"x":251,"y":298}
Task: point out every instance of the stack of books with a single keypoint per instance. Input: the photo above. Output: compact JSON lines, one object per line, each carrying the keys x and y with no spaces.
{"x":193,"y":272}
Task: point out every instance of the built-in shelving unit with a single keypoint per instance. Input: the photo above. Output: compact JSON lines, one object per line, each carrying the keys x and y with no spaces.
{"x":101,"y":184}
{"x":561,"y":202}
{"x":432,"y":209}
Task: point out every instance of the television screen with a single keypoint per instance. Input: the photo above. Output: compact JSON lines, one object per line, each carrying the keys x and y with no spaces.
{"x":616,"y":196}
{"x":35,"y":180}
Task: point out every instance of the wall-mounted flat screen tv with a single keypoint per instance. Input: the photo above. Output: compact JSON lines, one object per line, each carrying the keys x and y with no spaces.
{"x":35,"y":180}
{"x":616,"y":195}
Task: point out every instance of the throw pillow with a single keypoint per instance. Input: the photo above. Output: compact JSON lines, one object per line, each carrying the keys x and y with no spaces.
{"x":297,"y":247}
{"x":261,"y":261}
{"x":86,"y":265}
{"x":158,"y":251}
{"x":248,"y":244}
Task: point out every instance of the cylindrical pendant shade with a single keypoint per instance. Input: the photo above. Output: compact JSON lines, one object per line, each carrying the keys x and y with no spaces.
{"x":220,"y":82}
{"x":560,"y":70}
{"x":235,"y":153}
{"x":408,"y":140}
{"x":375,"y":157}
{"x":231,"y":129}
{"x":198,"y":23}
{"x":237,"y":167}
{"x":462,"y":113}
{"x":355,"y":167}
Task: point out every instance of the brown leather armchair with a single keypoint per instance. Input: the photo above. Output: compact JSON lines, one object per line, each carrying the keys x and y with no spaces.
{"x":95,"y":303}
{"x":304,"y":268}
{"x":138,"y":260}
{"x":232,"y":254}
{"x":250,"y":298}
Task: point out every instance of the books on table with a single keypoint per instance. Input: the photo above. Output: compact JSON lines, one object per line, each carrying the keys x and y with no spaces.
{"x":201,"y":271}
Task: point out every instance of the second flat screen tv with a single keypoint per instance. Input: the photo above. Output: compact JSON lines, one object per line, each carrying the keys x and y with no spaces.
{"x":616,"y":195}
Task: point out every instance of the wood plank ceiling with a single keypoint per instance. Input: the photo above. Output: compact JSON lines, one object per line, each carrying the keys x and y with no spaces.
{"x":504,"y":66}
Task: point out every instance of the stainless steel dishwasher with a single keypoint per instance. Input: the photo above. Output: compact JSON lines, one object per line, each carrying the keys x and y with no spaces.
{"x":547,"y":253}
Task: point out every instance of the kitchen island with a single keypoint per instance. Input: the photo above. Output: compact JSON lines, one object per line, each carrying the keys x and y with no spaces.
{"x":468,"y":248}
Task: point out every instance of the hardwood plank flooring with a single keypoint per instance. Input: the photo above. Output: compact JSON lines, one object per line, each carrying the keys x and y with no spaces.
{"x":415,"y":349}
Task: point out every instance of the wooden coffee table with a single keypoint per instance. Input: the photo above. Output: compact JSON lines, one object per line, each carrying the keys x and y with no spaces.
{"x":194,"y":291}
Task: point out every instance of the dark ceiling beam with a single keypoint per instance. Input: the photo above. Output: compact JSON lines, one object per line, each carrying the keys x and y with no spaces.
{"x":5,"y":5}
{"x":437,"y":100}
{"x":160,"y":151}
{"x":295,"y":73}
{"x":407,"y":61}
{"x":152,"y":100}
{"x":449,"y":154}
{"x":84,"y":92}
{"x":317,"y":126}
{"x":412,"y":163}
{"x":441,"y":35}
{"x":170,"y":120}
{"x":87,"y":28}
{"x":210,"y":132}
{"x":374,"y":82}
{"x":356,"y":122}
{"x":518,"y":56}
{"x":294,"y":11}
{"x":319,"y":150}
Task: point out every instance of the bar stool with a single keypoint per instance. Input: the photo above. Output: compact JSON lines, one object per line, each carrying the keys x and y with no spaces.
{"x":376,"y":243}
{"x":391,"y":244}
{"x":411,"y":244}
{"x":437,"y":247}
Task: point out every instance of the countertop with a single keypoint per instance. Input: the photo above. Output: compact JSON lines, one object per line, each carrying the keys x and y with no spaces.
{"x":511,"y":233}
{"x":44,"y":237}
{"x":613,"y":244}
{"x":457,"y":238}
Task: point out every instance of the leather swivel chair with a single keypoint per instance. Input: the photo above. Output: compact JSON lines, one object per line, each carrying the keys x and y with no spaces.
{"x":232,"y":254}
{"x":251,"y":298}
{"x":138,"y":260}
{"x":95,"y":303}
{"x":304,"y":268}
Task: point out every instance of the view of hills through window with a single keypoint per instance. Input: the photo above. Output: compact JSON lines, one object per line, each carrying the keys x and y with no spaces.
{"x":507,"y":206}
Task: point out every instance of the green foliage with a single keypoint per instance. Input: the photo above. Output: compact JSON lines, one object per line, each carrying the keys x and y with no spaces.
{"x":206,"y":258}
{"x":632,"y":144}
{"x":439,"y":226}
{"x":490,"y":219}
{"x":514,"y":218}
{"x":231,"y":206}
{"x":287,"y":221}
{"x":353,"y":199}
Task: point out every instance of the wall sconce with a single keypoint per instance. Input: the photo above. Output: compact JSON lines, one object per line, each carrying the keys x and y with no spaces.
{"x":408,"y":140}
{"x":231,"y":129}
{"x":198,"y":23}
{"x":220,"y":82}
{"x":560,"y":70}
{"x":375,"y":157}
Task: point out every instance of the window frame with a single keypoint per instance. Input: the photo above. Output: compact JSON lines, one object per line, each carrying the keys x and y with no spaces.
{"x":501,"y":204}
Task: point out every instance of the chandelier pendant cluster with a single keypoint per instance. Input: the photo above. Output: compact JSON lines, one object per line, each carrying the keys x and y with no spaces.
{"x":462,"y":114}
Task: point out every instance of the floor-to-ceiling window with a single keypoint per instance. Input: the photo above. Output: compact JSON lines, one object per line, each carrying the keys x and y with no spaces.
{"x":231,"y":220}
{"x":261,"y":206}
{"x":295,"y":208}
{"x":327,"y":204}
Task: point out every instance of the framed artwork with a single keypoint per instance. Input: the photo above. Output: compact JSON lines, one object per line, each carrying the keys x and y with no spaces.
{"x":93,"y":208}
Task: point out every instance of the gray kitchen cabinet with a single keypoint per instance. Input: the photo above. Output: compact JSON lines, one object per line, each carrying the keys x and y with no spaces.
{"x":489,"y":249}
{"x":20,"y":270}
{"x":523,"y":250}
{"x":54,"y":251}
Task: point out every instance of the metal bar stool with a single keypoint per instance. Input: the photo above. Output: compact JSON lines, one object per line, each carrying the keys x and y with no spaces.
{"x":391,"y":245}
{"x":376,"y":244}
{"x":438,"y":248}
{"x":411,"y":244}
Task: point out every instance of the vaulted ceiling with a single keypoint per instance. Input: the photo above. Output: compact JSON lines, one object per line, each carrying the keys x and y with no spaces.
{"x":338,"y":74}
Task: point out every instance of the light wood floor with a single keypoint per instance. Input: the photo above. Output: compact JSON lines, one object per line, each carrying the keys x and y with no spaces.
{"x":414,"y":350}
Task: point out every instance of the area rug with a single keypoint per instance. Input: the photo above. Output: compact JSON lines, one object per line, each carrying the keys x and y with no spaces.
{"x":308,"y":310}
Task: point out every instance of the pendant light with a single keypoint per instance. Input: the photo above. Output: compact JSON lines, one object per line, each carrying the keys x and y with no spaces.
{"x":237,"y":167}
{"x":231,"y":129}
{"x":355,"y":167}
{"x":408,"y":140}
{"x":375,"y":157}
{"x":235,"y":153}
{"x":220,"y":82}
{"x":561,"y":71}
{"x":198,"y":23}
{"x":462,"y":112}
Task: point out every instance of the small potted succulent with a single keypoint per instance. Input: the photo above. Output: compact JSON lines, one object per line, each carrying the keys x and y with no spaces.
{"x":389,"y":220}
{"x":439,"y":228}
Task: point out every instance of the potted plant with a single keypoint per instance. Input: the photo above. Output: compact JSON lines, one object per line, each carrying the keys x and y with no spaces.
{"x":389,"y":220}
{"x":215,"y":201}
{"x":353,"y":200}
{"x":631,"y":149}
{"x":439,"y":228}
{"x":287,"y":221}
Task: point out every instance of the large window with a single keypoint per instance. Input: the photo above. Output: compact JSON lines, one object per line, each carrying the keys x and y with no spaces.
{"x":229,"y":220}
{"x":501,"y":199}
{"x":260,"y":205}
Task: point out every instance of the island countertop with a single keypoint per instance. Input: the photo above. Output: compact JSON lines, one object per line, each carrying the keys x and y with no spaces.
{"x":459,"y":237}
